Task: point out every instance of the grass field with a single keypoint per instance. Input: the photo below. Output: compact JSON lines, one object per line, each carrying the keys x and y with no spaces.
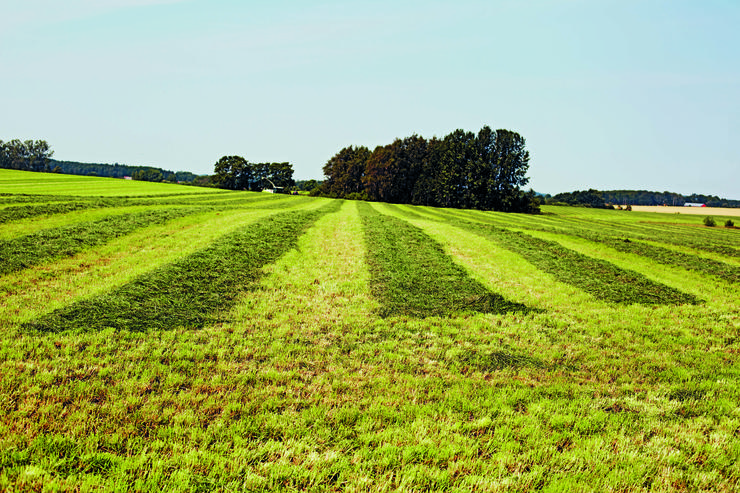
{"x":168,"y":338}
{"x":703,"y":211}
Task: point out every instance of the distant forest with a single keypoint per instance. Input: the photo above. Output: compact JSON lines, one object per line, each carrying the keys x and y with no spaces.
{"x":608,"y":198}
{"x":461,"y":170}
{"x":143,"y":173}
{"x":35,"y":155}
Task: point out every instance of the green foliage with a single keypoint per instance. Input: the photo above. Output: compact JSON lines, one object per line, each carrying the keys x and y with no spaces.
{"x":344,"y":172}
{"x":412,"y":275}
{"x":729,"y":224}
{"x":462,"y":170}
{"x":587,"y":198}
{"x":36,"y":156}
{"x":148,"y":174}
{"x":236,"y":173}
{"x":307,"y":185}
{"x":29,"y":155}
{"x":709,"y":221}
{"x":638,"y":197}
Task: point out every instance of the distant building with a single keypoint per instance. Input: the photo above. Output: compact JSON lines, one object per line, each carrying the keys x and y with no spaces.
{"x":694,"y":204}
{"x":127,"y":178}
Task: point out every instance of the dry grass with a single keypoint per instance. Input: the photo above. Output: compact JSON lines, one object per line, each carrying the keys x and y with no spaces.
{"x":702,"y":211}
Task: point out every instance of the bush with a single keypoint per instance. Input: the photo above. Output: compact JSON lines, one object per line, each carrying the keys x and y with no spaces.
{"x":729,"y":224}
{"x":709,"y":221}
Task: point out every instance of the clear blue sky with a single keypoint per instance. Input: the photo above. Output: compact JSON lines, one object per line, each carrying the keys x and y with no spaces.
{"x":637,"y":94}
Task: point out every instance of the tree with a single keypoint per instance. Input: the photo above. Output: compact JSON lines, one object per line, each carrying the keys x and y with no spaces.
{"x":464,"y":170}
{"x":146,"y":174}
{"x":29,"y":155}
{"x":281,"y":174}
{"x":344,"y":172}
{"x":509,"y":165}
{"x":236,"y":173}
{"x":232,"y":173}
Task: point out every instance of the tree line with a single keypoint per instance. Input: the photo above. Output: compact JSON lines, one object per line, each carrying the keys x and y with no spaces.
{"x":236,"y":173}
{"x":28,"y":155}
{"x":460,"y":170}
{"x":607,"y":198}
{"x":35,"y":155}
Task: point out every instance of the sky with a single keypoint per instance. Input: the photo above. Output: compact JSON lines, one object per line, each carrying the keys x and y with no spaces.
{"x":628,"y":94}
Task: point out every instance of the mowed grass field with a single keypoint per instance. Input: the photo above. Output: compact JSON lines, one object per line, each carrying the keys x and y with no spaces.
{"x":168,"y":338}
{"x":703,"y":211}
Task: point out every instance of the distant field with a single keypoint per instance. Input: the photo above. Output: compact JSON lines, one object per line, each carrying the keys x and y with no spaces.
{"x":24,"y":182}
{"x":168,"y":338}
{"x":704,"y":211}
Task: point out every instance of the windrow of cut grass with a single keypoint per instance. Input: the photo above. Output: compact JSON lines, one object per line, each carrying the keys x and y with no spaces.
{"x":20,"y":212}
{"x":619,"y":240}
{"x":695,"y":236}
{"x":666,"y":256}
{"x":599,"y":278}
{"x":45,"y":245}
{"x":194,"y":291}
{"x":413,"y":276}
{"x":22,"y":198}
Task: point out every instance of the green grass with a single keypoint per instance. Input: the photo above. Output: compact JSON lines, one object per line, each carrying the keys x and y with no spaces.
{"x":293,"y":380}
{"x":192,"y":292}
{"x":30,"y":183}
{"x":412,"y":275}
{"x":25,"y":211}
{"x":601,"y":279}
{"x":45,"y":245}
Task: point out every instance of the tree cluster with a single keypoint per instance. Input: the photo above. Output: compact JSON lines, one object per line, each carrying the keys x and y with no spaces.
{"x":29,"y":155}
{"x":584,"y":198}
{"x":461,"y":170}
{"x":35,"y":155}
{"x":144,"y":173}
{"x":601,"y":199}
{"x":236,"y":173}
{"x":307,"y":185}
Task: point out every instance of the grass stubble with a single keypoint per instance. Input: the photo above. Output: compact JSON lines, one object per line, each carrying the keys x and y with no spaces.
{"x":304,"y":387}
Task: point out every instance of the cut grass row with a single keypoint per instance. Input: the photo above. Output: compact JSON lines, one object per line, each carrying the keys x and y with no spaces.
{"x":46,"y":245}
{"x":31,"y":292}
{"x":619,"y":240}
{"x":599,"y":278}
{"x":195,"y":291}
{"x":413,"y":276}
{"x":20,"y":212}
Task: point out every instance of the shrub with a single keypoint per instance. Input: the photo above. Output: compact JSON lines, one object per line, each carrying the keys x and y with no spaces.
{"x":709,"y":221}
{"x":729,"y":224}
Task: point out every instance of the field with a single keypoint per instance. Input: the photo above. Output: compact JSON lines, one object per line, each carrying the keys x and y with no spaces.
{"x":164,"y":337}
{"x":703,"y":211}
